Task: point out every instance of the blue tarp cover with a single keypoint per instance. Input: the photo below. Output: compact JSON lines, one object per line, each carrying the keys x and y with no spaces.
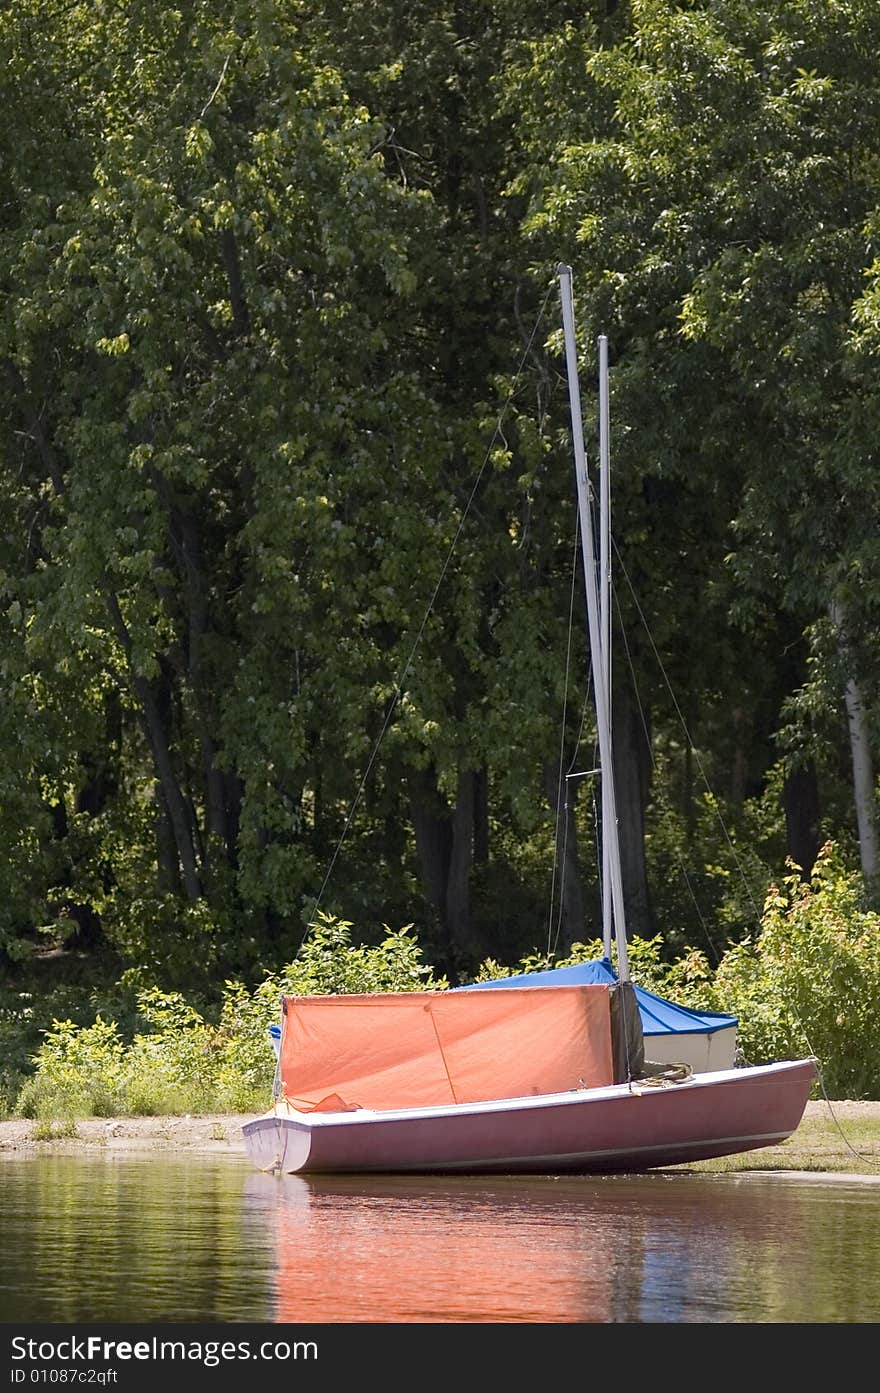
{"x":659,"y":1017}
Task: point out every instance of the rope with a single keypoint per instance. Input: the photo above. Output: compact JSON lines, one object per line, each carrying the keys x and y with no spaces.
{"x":442,"y":1054}
{"x":562,"y":804}
{"x":862,"y":1157}
{"x":680,"y":714}
{"x":664,"y":1076}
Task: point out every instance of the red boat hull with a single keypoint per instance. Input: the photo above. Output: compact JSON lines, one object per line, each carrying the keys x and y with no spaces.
{"x":621,"y":1128}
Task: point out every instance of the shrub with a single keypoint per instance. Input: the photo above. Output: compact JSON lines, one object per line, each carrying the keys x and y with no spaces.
{"x":16,"y":1027}
{"x":171,"y":1066}
{"x":810,"y":981}
{"x":691,"y":977}
{"x":178,"y":1062}
{"x":79,"y":1073}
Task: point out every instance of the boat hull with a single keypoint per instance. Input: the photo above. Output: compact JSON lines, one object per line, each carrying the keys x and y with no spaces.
{"x":620,"y":1128}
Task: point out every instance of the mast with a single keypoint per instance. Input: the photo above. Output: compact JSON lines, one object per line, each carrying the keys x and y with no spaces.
{"x":600,"y":684}
{"x":605,"y":621}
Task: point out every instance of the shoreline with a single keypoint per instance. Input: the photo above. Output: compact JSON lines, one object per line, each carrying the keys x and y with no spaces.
{"x":198,"y":1134}
{"x":833,"y":1137}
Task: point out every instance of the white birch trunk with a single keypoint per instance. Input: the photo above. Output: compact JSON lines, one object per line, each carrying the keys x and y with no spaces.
{"x":860,"y":749}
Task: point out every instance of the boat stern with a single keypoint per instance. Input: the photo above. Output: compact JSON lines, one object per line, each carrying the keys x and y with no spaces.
{"x":275,"y":1143}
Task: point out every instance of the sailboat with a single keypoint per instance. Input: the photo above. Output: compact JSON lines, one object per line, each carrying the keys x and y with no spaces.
{"x":542,"y":1077}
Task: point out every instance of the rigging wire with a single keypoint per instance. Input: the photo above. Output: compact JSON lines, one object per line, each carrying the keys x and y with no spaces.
{"x":680,"y":714}
{"x":398,"y":688}
{"x":562,"y":800}
{"x":570,"y":775}
{"x":551,"y":942}
{"x":644,"y":724}
{"x":860,"y":1156}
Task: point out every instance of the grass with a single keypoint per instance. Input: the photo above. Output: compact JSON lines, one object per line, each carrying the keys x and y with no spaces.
{"x":820,"y":1144}
{"x":45,"y":1129}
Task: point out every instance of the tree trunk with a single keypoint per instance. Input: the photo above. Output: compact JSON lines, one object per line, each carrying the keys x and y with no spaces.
{"x":102,"y":767}
{"x":739,"y":765}
{"x":151,"y":720}
{"x":689,"y":806}
{"x":237,"y":299}
{"x":154,"y":728}
{"x":166,"y":847}
{"x":860,"y":749}
{"x":431,"y":829}
{"x":632,"y":771}
{"x":481,"y":817}
{"x":444,"y":841}
{"x":233,"y":796}
{"x":461,"y":855}
{"x":186,"y":545}
{"x":800,"y":801}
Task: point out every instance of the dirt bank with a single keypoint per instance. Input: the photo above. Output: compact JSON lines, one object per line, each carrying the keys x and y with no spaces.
{"x":221,"y":1133}
{"x":214,"y":1133}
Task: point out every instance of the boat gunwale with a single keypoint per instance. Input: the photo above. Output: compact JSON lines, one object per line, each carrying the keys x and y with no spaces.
{"x":570,"y":1098}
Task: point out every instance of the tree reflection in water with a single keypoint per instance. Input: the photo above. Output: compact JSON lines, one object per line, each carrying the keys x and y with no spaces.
{"x":126,"y":1238}
{"x":666,"y":1247}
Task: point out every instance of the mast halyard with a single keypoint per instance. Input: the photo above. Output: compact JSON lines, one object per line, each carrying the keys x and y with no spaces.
{"x":605,"y":619}
{"x":600,"y":669}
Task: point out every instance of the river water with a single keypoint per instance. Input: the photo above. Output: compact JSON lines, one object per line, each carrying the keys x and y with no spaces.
{"x":133,"y":1239}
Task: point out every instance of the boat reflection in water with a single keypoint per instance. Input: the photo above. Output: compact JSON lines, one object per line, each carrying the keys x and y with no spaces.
{"x":665,"y":1247}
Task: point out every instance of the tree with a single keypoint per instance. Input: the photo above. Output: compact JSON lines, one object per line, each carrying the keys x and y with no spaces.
{"x":263,"y":301}
{"x":206,"y":361}
{"x":721,"y":218}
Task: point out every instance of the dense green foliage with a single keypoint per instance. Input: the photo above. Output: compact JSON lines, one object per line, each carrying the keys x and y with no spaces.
{"x":287,"y":510}
{"x":178,"y":1062}
{"x":809,"y":983}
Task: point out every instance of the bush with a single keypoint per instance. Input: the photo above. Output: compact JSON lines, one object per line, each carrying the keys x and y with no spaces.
{"x":180,"y":1063}
{"x":810,"y":981}
{"x":170,"y":1067}
{"x":79,"y":1073}
{"x":16,"y":1026}
{"x":689,"y":980}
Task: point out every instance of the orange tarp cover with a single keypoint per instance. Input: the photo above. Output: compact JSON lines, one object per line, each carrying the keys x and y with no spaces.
{"x":421,"y":1049}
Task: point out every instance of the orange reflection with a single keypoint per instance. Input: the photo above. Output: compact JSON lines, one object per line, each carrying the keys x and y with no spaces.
{"x":672,"y":1246}
{"x":432,"y":1250}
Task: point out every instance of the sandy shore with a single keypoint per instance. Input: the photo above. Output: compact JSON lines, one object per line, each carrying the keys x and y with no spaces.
{"x":221,"y":1133}
{"x":212,"y":1133}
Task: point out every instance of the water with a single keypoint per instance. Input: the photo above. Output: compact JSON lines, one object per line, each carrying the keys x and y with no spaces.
{"x":128,"y":1239}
